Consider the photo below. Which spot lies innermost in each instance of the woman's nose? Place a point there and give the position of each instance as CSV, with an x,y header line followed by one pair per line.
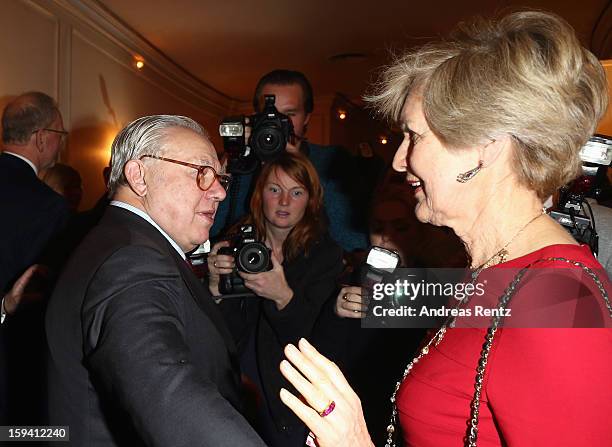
x,y
400,160
284,199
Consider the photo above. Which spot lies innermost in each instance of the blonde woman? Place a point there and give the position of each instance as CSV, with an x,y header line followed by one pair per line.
x,y
493,118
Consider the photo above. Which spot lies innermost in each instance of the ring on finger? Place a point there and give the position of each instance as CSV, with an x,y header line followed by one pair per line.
x,y
328,409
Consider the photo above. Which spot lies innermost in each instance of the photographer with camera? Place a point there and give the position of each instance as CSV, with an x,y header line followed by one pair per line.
x,y
579,205
293,99
286,300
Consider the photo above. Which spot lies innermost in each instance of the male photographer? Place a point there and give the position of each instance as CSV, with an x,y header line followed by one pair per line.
x,y
343,187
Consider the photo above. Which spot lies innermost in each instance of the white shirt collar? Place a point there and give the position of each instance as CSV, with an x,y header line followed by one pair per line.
x,y
24,159
146,217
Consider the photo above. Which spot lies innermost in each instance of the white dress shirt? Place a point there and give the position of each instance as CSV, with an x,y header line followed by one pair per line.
x,y
146,217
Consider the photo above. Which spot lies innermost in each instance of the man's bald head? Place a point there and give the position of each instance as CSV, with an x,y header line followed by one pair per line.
x,y
26,114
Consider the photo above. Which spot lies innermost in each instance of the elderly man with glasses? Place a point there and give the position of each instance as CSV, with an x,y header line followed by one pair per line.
x,y
32,136
139,355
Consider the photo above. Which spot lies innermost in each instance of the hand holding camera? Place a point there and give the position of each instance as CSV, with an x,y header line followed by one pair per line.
x,y
350,303
218,264
271,285
243,266
353,301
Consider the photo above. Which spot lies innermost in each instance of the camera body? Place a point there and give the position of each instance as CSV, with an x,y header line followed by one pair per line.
x,y
379,267
250,256
270,132
573,211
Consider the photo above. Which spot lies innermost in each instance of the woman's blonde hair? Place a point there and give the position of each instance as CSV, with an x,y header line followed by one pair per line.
x,y
525,76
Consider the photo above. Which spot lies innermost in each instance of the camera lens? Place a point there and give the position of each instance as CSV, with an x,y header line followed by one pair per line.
x,y
268,141
253,258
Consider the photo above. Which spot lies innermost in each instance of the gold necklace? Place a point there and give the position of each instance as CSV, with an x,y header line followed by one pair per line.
x,y
501,256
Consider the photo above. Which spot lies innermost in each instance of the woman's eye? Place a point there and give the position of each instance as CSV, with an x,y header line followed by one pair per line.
x,y
414,138
273,189
297,193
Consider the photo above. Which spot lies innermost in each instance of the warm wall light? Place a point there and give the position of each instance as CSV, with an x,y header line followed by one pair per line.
x,y
383,140
139,62
341,114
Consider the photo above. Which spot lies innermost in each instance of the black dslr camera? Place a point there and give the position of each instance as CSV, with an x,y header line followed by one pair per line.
x,y
250,255
573,211
270,132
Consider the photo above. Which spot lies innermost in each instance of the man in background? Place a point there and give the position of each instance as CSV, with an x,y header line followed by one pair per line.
x,y
32,213
32,135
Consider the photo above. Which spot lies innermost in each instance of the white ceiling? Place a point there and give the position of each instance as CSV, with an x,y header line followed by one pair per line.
x,y
229,44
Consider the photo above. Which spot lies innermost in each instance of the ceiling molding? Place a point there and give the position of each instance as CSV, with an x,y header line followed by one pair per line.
x,y
89,15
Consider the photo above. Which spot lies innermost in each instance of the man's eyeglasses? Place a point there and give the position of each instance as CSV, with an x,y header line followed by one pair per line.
x,y
206,174
63,133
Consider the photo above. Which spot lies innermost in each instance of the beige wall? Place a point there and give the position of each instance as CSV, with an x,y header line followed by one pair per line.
x,y
48,46
605,125
27,64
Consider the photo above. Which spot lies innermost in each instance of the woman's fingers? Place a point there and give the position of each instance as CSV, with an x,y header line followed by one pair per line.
x,y
356,290
323,387
309,416
220,264
306,366
327,367
313,396
322,373
350,303
215,248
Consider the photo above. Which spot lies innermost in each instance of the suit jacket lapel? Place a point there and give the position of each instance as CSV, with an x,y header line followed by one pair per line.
x,y
204,300
199,293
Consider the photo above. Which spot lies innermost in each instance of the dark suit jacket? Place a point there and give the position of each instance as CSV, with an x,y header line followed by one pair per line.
x,y
31,214
138,352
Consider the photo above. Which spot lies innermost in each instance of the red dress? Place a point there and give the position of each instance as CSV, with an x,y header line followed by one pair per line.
x,y
543,387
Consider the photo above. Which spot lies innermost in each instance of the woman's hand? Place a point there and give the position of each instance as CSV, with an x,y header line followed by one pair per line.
x,y
271,284
323,387
218,265
350,303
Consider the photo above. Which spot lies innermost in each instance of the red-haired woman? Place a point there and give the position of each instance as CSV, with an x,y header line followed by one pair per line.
x,y
286,213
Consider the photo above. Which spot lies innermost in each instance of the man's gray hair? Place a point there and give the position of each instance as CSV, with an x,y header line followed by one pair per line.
x,y
144,136
26,114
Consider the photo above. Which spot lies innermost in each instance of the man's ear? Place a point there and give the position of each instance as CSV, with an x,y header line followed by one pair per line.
x,y
135,175
306,121
39,140
495,150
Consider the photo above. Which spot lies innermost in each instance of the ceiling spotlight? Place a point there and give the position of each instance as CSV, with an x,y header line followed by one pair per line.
x,y
341,114
139,62
383,140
